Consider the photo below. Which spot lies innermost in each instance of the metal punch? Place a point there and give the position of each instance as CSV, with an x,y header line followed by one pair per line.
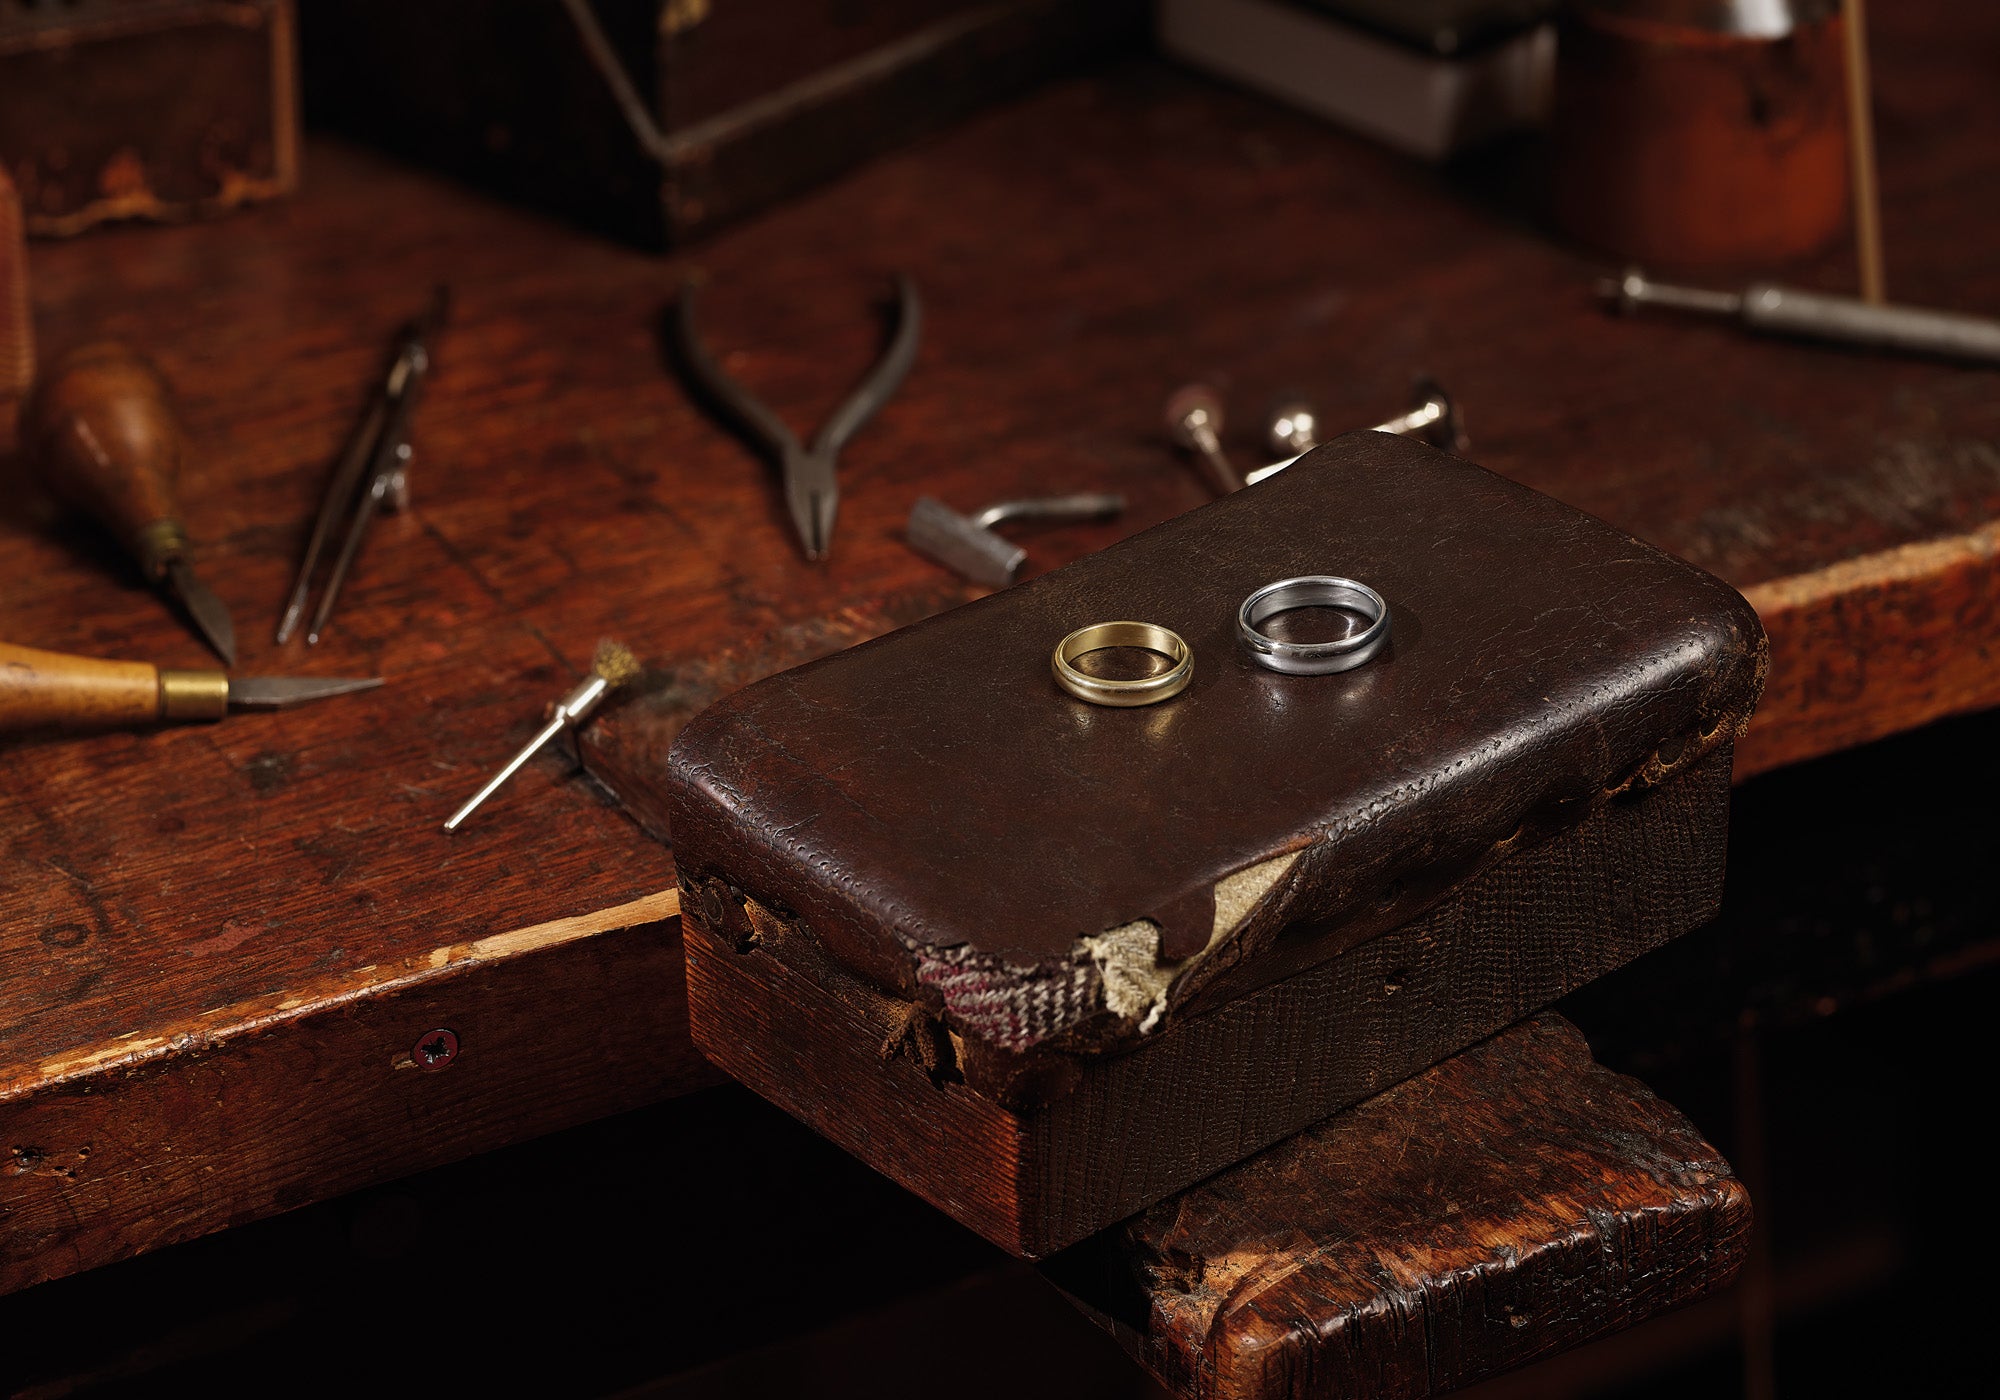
x,y
373,471
812,494
1770,309
1194,421
1293,427
967,544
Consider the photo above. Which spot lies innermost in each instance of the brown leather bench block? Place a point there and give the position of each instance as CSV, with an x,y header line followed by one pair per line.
x,y
1046,963
1507,1204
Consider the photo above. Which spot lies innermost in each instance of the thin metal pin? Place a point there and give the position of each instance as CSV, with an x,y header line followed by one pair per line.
x,y
494,784
612,667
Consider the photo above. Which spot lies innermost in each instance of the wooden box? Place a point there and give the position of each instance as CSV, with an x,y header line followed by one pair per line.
x,y
1046,963
657,120
146,109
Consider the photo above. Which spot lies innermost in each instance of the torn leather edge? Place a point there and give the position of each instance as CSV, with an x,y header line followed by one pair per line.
x,y
1016,1007
1117,973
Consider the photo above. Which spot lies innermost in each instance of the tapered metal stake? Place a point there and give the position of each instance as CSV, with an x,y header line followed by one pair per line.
x,y
205,608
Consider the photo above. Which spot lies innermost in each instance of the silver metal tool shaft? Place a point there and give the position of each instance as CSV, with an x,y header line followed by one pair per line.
x,y
1777,310
969,546
572,709
1415,421
1084,505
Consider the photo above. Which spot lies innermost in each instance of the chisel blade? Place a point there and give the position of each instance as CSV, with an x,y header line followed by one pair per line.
x,y
209,615
277,692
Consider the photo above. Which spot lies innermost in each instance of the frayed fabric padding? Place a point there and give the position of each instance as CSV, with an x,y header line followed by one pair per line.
x,y
1006,1005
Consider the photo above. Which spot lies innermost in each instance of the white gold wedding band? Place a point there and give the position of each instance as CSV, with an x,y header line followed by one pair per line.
x,y
1313,658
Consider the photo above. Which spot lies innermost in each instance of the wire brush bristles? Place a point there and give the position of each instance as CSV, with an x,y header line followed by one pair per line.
x,y
615,662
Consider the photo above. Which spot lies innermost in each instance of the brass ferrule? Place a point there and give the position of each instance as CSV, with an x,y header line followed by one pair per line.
x,y
188,695
158,546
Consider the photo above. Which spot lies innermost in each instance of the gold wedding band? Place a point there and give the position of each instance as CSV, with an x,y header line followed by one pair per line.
x,y
1148,691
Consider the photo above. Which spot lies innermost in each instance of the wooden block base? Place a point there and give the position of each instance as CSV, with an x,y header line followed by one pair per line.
x,y
1512,1202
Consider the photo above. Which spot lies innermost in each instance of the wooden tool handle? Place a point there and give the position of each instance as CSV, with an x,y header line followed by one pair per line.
x,y
44,689
101,433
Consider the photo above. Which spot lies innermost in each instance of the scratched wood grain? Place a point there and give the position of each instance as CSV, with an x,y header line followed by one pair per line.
x,y
1081,254
1505,1205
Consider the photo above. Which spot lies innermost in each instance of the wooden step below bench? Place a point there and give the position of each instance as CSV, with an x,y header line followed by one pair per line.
x,y
1505,1205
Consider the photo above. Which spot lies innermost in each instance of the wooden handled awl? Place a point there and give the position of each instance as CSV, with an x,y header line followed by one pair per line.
x,y
100,432
52,690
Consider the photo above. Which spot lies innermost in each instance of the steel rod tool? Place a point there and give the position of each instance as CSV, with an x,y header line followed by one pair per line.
x,y
968,545
100,432
1194,421
1771,309
612,667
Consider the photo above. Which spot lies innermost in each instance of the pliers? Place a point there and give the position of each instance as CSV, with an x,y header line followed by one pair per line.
x,y
811,493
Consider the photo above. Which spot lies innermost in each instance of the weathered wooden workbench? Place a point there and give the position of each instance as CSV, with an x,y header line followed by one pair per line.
x,y
219,947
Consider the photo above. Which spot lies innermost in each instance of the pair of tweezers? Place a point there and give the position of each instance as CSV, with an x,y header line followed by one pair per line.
x,y
812,495
373,471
